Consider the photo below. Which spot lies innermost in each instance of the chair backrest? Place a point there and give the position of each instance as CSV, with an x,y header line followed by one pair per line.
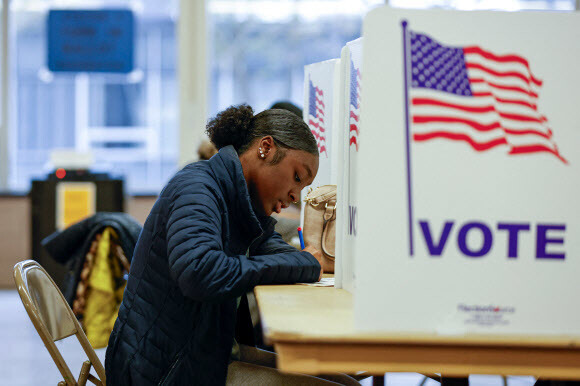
x,y
52,317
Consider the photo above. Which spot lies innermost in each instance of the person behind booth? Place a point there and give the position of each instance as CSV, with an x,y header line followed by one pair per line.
x,y
286,105
207,241
206,150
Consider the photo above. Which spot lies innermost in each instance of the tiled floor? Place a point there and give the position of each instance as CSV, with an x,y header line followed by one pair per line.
x,y
24,361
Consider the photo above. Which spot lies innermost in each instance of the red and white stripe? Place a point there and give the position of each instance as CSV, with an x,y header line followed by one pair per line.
x,y
354,115
316,123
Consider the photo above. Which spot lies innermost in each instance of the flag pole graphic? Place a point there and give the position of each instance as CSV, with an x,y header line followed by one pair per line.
x,y
409,191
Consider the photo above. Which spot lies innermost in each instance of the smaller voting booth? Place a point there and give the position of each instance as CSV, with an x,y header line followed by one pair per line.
x,y
332,97
460,187
321,96
350,113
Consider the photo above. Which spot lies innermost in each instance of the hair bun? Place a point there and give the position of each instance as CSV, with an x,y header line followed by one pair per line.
x,y
231,127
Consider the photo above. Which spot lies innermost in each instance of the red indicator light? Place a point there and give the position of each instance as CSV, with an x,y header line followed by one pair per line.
x,y
60,173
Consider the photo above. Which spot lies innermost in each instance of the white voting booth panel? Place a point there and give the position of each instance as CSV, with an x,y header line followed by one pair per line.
x,y
320,82
348,146
321,97
468,173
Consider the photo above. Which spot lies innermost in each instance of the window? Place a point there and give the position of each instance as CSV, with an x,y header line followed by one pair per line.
x,y
4,164
502,5
258,48
128,121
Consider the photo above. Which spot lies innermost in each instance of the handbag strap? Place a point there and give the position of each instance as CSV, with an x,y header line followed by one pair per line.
x,y
329,215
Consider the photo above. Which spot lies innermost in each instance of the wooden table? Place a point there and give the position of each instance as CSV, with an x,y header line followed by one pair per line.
x,y
312,330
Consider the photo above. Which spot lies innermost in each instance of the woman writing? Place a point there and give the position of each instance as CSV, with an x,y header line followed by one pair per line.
x,y
207,241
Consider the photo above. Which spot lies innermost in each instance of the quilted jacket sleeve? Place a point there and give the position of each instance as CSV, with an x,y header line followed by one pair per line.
x,y
202,269
274,244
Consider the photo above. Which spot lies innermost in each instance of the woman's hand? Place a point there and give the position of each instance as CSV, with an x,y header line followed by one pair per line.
x,y
317,255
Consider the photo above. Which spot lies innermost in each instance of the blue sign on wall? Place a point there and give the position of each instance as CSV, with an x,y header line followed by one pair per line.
x,y
90,40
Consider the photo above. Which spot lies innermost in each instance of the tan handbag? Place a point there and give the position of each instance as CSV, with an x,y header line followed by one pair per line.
x,y
320,223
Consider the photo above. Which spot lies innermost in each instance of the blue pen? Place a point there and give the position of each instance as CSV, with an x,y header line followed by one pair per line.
x,y
301,238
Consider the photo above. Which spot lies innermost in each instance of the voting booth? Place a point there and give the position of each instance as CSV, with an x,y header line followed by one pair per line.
x,y
321,96
332,97
464,181
350,98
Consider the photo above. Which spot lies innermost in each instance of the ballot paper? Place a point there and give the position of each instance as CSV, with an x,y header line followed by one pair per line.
x,y
325,282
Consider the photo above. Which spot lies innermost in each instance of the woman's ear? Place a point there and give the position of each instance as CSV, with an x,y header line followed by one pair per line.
x,y
266,147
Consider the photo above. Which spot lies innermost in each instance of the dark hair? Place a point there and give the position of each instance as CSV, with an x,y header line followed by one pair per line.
x,y
238,126
288,106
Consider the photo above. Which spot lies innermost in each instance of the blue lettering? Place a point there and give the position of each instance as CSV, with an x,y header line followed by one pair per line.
x,y
513,230
436,249
542,240
352,220
462,239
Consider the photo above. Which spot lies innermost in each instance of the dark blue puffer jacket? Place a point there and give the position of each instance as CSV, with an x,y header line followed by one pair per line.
x,y
177,320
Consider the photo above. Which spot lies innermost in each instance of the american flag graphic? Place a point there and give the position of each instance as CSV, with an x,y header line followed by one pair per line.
x,y
316,116
354,106
475,96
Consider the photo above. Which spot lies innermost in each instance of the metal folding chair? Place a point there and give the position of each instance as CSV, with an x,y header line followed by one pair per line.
x,y
54,320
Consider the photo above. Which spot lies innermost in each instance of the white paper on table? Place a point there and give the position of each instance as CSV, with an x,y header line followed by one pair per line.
x,y
325,282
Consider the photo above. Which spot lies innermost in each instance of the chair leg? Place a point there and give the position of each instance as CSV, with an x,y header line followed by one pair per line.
x,y
424,380
379,380
84,375
448,381
432,376
95,380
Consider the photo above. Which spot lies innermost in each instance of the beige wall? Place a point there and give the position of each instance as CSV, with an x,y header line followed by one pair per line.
x,y
139,207
15,232
14,235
